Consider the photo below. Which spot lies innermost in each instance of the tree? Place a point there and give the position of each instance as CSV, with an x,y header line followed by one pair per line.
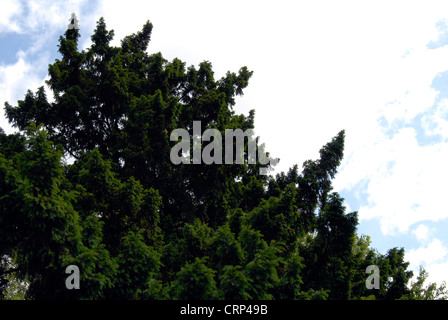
x,y
195,281
141,227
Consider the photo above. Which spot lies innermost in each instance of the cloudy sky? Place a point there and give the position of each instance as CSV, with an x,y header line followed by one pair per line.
x,y
378,69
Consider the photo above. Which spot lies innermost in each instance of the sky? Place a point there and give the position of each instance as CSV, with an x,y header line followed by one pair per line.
x,y
377,69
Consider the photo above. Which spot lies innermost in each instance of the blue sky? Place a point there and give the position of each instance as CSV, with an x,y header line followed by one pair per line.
x,y
378,69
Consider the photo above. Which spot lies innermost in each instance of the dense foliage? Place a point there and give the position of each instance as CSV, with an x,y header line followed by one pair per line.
x,y
140,227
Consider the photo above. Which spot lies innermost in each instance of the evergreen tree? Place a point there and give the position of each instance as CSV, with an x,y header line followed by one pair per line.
x,y
139,226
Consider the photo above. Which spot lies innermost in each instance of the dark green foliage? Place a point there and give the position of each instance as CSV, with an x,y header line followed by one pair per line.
x,y
140,227
137,265
234,283
225,248
195,281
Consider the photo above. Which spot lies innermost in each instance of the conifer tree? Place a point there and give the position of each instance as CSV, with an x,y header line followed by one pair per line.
x,y
139,226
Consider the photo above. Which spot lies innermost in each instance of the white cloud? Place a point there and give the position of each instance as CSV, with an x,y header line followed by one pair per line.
x,y
434,252
437,272
15,80
433,258
40,20
36,15
400,174
403,181
436,123
10,10
422,233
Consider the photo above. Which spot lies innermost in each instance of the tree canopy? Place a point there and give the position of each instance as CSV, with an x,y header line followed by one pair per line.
x,y
88,181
